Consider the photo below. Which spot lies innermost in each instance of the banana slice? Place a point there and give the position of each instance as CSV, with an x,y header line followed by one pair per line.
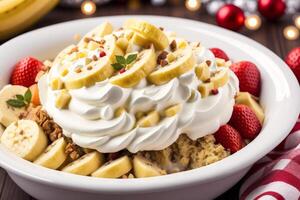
x,y
150,120
54,155
96,70
9,114
86,164
220,78
143,168
184,62
25,138
202,71
173,110
114,169
104,29
149,32
246,98
140,40
205,89
145,63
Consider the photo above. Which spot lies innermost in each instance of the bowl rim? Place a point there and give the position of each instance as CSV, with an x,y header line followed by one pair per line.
x,y
236,162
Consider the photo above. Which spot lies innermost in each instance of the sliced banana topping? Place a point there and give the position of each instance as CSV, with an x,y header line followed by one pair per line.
x,y
9,114
114,169
184,62
25,138
86,164
144,168
172,110
202,71
63,99
78,67
247,99
149,32
205,89
144,64
54,155
220,78
149,120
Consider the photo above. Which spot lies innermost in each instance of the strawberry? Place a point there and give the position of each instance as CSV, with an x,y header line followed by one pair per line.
x,y
249,77
293,61
219,53
244,120
25,71
229,138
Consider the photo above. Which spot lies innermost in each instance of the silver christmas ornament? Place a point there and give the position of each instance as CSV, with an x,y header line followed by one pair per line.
x,y
213,6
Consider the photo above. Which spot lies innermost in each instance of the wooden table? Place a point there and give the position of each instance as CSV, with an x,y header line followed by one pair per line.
x,y
270,35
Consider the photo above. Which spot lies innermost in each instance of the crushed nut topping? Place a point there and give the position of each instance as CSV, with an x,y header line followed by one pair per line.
x,y
163,55
208,62
173,45
73,150
163,63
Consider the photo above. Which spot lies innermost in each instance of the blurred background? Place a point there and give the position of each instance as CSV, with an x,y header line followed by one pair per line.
x,y
273,23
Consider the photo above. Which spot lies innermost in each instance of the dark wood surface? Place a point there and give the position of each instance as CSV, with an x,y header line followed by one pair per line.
x,y
270,35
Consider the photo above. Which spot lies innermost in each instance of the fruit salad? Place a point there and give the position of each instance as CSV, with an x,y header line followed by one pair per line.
x,y
131,102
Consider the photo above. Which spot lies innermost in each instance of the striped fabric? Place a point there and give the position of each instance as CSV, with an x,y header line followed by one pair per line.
x,y
277,175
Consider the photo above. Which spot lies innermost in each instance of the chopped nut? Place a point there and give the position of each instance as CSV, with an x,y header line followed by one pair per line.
x,y
89,67
163,55
87,39
161,28
163,63
173,45
75,49
208,62
73,150
95,58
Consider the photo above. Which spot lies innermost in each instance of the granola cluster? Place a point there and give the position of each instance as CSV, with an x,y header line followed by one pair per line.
x,y
186,154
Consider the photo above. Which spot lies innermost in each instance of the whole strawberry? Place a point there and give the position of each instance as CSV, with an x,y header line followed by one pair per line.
x,y
25,71
244,120
219,53
249,77
229,138
293,61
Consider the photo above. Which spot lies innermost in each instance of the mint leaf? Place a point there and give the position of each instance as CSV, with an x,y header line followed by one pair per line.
x,y
28,96
117,66
131,58
20,97
121,60
16,103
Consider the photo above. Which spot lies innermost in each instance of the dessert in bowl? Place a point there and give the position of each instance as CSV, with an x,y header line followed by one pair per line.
x,y
132,103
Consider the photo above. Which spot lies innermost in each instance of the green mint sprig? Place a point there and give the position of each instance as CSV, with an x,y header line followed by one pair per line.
x,y
123,62
20,100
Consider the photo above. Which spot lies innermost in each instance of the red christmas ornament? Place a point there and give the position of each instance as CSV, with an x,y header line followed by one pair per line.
x,y
271,9
231,17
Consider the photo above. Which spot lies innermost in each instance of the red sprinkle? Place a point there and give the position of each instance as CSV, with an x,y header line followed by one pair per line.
x,y
102,54
215,91
122,70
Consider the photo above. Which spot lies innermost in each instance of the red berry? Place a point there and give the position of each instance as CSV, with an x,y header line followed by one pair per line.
x,y
229,138
122,70
244,120
102,54
219,53
25,71
293,61
249,77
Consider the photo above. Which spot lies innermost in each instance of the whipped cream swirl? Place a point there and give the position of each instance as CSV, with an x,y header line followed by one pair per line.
x,y
90,120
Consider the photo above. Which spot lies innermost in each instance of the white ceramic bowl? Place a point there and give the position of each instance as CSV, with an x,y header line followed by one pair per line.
x,y
280,98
